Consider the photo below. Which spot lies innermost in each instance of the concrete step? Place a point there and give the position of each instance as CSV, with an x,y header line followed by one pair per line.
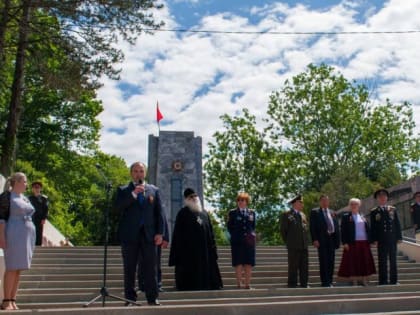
x,y
66,278
258,276
323,306
235,300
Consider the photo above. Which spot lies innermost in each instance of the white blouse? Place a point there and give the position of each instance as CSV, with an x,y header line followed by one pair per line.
x,y
360,227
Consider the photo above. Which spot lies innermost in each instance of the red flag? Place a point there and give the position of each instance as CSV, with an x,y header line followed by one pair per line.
x,y
159,115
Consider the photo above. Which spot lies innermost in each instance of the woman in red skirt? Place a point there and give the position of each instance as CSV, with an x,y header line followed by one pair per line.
x,y
357,262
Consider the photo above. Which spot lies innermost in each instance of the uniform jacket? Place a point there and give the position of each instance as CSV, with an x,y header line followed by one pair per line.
x,y
348,228
294,230
132,213
41,208
415,214
385,225
241,226
319,227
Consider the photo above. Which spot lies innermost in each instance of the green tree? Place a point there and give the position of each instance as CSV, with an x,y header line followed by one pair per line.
x,y
328,123
86,31
241,159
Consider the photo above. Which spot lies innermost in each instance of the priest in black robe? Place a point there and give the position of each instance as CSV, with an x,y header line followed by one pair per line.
x,y
193,250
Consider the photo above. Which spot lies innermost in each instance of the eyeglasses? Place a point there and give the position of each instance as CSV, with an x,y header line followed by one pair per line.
x,y
242,199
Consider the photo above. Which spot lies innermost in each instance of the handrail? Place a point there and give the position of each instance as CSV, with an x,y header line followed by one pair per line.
x,y
409,239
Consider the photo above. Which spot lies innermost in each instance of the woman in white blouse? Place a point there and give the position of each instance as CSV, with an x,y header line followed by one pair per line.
x,y
357,261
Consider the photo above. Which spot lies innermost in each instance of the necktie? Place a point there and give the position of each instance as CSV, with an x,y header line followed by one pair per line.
x,y
330,226
141,198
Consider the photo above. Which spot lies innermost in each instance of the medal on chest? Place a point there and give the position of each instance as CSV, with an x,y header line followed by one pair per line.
x,y
199,220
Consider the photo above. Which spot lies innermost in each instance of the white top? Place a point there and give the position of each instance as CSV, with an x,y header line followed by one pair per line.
x,y
360,228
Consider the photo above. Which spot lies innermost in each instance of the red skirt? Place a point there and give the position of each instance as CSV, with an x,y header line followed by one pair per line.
x,y
357,261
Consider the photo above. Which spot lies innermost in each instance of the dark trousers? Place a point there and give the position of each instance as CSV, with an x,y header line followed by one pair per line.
x,y
140,252
387,250
326,256
39,228
298,263
140,271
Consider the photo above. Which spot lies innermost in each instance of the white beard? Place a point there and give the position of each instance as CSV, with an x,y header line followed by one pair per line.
x,y
194,205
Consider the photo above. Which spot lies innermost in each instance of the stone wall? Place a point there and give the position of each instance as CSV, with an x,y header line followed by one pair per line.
x,y
175,163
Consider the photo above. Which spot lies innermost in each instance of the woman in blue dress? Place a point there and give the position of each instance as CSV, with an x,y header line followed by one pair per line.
x,y
241,226
17,237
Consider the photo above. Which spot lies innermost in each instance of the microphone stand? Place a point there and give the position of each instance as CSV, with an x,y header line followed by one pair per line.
x,y
103,293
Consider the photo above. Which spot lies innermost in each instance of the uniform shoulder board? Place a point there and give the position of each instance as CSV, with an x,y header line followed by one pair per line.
x,y
412,204
391,208
373,209
44,196
251,210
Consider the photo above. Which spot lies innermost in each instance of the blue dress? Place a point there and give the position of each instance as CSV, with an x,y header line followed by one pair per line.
x,y
20,234
241,227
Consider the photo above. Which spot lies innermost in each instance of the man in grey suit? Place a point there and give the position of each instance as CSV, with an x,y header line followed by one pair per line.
x,y
294,231
140,232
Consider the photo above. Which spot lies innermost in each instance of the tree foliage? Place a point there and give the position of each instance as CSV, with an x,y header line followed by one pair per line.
x,y
330,123
71,45
52,55
242,160
323,133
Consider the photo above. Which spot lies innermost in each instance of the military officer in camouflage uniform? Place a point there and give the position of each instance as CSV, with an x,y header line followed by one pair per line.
x,y
415,211
294,231
385,233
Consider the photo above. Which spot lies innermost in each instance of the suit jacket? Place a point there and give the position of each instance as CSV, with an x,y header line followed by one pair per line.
x,y
415,214
385,225
133,213
241,226
348,228
319,228
294,230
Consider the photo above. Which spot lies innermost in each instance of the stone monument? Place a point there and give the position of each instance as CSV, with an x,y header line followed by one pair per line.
x,y
175,163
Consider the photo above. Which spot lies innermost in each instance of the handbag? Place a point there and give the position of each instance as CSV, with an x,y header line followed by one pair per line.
x,y
5,205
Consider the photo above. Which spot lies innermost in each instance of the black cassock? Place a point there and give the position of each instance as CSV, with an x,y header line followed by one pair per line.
x,y
194,253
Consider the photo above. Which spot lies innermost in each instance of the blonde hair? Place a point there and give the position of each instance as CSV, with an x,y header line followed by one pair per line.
x,y
12,180
243,195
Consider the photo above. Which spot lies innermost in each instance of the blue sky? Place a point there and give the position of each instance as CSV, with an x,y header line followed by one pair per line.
x,y
198,77
189,13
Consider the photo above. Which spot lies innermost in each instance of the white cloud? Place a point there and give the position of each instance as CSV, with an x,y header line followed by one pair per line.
x,y
172,68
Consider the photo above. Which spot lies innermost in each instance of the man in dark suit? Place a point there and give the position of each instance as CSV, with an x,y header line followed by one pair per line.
x,y
294,231
415,211
326,238
385,231
40,203
140,232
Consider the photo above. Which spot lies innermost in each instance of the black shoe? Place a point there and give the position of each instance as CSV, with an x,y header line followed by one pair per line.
x,y
154,303
292,286
305,286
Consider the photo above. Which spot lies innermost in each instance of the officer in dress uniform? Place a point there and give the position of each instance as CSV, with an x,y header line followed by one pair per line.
x,y
294,231
241,227
415,211
40,203
385,233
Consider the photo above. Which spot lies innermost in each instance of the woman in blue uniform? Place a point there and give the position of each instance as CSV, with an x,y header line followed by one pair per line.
x,y
241,226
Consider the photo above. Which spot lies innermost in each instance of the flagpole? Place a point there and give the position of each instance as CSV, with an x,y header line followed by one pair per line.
x,y
159,116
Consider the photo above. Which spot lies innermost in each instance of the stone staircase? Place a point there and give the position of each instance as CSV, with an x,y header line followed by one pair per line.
x,y
62,279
